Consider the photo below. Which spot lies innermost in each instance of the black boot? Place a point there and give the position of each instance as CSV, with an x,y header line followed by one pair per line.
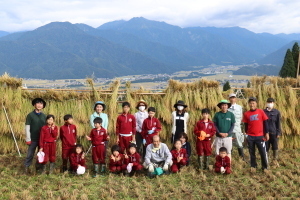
x,y
52,166
26,171
200,162
241,153
43,169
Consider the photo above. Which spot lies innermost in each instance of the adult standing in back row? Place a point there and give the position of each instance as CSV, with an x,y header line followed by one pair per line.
x,y
179,120
140,116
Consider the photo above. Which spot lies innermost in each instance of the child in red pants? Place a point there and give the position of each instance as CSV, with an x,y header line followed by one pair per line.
x,y
203,145
98,136
222,164
132,161
179,156
47,143
116,161
125,128
77,158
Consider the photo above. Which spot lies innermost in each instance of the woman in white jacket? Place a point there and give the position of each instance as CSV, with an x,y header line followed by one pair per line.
x,y
179,120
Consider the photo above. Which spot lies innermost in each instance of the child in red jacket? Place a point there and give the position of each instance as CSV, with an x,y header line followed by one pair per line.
x,y
151,126
47,143
68,138
98,136
179,156
116,161
222,164
77,158
132,161
125,128
204,130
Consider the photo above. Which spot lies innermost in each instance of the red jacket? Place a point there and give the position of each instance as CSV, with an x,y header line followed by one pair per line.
x,y
200,126
126,124
98,137
150,124
47,135
118,163
76,159
181,153
68,135
132,158
222,162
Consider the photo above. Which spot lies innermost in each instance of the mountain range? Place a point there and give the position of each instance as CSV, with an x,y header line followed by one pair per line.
x,y
62,50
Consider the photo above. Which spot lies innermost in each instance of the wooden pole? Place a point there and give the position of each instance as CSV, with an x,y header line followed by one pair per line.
x,y
297,75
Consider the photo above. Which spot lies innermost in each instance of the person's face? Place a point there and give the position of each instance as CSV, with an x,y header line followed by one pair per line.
x,y
132,150
99,108
223,154
182,139
252,105
97,125
205,115
50,121
232,100
39,106
151,114
116,153
224,107
78,150
142,107
70,121
156,142
178,145
126,109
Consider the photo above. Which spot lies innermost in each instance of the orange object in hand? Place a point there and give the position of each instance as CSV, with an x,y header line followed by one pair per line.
x,y
202,135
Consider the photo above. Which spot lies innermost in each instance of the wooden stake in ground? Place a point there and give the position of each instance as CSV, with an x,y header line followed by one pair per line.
x,y
12,132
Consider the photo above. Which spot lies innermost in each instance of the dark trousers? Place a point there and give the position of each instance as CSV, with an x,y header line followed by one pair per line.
x,y
139,142
30,153
272,141
261,145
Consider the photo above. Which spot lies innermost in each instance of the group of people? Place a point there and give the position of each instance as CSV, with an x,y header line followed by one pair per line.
x,y
139,145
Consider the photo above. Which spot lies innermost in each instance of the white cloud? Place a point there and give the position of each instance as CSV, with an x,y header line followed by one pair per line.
x,y
274,16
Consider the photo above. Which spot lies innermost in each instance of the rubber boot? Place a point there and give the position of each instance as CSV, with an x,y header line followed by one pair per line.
x,y
43,169
65,165
26,170
241,153
103,168
206,162
52,166
96,170
200,162
275,158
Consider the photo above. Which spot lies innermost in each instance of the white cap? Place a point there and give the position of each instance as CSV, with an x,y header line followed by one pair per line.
x,y
232,95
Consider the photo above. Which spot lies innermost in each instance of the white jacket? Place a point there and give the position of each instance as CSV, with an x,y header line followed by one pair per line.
x,y
139,118
237,110
186,119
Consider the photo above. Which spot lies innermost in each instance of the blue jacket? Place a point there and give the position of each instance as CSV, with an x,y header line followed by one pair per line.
x,y
104,118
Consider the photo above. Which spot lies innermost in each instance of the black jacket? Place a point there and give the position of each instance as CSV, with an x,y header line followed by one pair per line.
x,y
274,123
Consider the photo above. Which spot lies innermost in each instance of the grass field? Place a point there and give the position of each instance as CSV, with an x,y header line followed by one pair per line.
x,y
280,182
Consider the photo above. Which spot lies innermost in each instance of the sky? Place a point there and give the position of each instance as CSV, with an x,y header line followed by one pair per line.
x,y
272,16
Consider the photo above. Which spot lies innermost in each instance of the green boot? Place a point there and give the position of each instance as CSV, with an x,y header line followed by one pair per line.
x,y
206,162
275,154
96,170
52,166
103,168
200,162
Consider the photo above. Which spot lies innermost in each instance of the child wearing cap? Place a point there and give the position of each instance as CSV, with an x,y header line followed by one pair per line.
x,y
132,161
256,127
35,120
222,164
68,137
224,122
140,116
180,118
274,125
204,130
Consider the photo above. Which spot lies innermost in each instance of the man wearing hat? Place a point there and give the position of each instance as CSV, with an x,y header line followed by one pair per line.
x,y
237,110
256,127
140,116
274,127
224,122
35,120
179,120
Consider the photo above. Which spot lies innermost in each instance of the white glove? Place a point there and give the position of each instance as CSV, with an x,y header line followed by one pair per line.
x,y
133,142
166,167
222,170
150,132
144,141
151,168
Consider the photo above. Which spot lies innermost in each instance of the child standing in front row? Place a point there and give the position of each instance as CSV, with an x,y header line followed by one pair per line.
x,y
179,156
222,164
186,145
98,136
77,158
68,138
47,143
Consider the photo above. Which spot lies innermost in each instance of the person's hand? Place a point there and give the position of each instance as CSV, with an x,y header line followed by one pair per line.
x,y
41,150
118,158
267,137
150,132
131,164
126,156
88,138
207,135
179,159
222,170
113,158
28,143
278,136
118,140
53,126
144,142
79,165
108,137
83,154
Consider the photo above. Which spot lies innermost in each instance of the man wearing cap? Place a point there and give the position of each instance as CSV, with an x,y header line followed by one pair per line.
x,y
256,127
224,122
274,127
237,110
35,120
140,116
179,120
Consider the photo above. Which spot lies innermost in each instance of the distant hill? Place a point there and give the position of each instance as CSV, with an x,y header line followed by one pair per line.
x,y
3,33
269,70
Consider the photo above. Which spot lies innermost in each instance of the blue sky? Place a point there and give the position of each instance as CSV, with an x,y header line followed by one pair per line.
x,y
273,16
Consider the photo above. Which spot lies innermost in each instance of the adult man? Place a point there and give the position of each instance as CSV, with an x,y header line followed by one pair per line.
x,y
274,127
237,110
224,122
157,155
256,127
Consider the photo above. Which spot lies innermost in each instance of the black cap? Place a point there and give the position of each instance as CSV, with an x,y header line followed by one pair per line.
x,y
252,99
270,100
